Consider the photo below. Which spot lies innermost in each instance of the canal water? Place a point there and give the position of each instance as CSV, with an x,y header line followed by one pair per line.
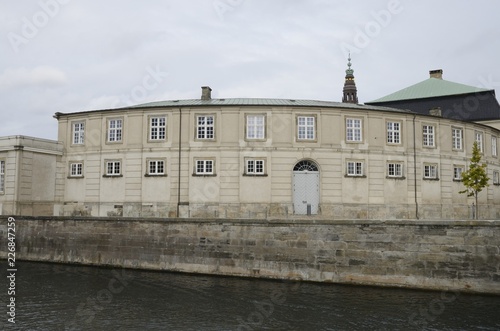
x,y
65,297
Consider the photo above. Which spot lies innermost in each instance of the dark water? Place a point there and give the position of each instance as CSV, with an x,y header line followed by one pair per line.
x,y
63,297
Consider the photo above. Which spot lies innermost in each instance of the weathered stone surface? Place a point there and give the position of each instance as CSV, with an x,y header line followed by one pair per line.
x,y
454,255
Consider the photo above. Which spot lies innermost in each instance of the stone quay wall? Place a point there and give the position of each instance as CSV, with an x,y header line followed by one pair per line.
x,y
436,255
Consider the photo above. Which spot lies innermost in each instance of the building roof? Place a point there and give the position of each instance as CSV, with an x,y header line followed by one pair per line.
x,y
246,102
430,88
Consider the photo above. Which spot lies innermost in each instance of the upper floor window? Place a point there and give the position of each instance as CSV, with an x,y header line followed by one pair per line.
x,y
354,168
256,126
393,132
306,126
157,128
496,178
456,138
428,135
156,167
430,171
2,176
115,130
76,169
205,127
494,151
78,133
394,170
204,167
254,167
353,130
457,173
113,168
478,136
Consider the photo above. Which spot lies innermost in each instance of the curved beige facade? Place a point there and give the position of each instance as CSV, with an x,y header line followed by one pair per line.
x,y
235,158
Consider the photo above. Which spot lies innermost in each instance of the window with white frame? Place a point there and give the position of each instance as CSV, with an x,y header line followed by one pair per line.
x,y
306,127
394,169
353,130
428,135
256,126
113,168
205,128
393,132
456,138
156,167
78,133
2,176
76,169
204,167
430,171
115,130
354,168
478,137
254,167
157,128
494,151
457,173
496,178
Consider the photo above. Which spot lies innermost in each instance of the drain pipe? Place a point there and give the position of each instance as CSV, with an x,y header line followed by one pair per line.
x,y
179,169
415,166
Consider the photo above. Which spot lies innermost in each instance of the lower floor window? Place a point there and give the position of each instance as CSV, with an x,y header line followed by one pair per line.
x,y
496,178
430,171
156,167
457,173
354,168
394,170
2,176
204,167
76,169
254,167
113,168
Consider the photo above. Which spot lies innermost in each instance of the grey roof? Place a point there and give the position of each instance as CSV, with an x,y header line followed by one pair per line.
x,y
248,102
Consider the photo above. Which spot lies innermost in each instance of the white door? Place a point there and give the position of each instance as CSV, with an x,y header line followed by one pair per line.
x,y
305,188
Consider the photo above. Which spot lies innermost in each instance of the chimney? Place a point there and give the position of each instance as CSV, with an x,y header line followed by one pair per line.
x,y
206,93
436,73
436,112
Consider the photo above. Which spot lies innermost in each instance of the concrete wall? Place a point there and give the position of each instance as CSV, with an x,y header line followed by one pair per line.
x,y
452,255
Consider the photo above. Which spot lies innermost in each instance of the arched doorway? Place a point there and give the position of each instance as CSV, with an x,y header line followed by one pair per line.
x,y
305,188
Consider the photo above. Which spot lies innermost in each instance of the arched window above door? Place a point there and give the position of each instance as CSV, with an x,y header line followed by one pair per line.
x,y
305,165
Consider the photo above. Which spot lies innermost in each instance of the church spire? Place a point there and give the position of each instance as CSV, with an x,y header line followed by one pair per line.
x,y
350,91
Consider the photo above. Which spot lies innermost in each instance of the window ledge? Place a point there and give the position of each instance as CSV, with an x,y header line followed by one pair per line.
x,y
396,178
155,175
255,175
112,176
457,180
76,177
355,176
431,179
204,175
496,184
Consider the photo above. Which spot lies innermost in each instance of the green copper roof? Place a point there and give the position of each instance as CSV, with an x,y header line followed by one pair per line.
x,y
429,88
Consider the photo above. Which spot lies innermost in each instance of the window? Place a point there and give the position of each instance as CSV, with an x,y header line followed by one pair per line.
x,y
353,130
256,127
457,173
354,168
115,130
494,151
204,167
306,128
393,132
2,176
78,133
456,138
205,127
430,171
157,128
428,135
496,178
478,136
395,170
113,168
254,167
76,169
156,167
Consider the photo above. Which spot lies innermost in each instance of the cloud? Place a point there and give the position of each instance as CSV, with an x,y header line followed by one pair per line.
x,y
41,76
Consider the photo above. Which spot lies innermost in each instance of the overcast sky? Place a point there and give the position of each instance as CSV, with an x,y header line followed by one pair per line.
x,y
70,55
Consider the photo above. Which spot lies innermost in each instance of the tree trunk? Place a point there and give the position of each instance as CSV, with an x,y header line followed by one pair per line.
x,y
475,207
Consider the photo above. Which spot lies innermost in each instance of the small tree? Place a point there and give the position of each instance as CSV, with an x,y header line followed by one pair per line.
x,y
475,178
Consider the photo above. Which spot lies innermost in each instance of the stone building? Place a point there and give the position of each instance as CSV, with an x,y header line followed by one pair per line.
x,y
29,181
265,158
